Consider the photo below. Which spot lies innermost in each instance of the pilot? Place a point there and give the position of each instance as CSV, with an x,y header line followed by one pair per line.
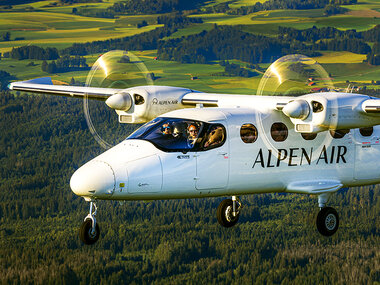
x,y
166,130
215,137
193,134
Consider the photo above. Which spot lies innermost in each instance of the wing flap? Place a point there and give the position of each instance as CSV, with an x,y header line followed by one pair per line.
x,y
45,85
314,187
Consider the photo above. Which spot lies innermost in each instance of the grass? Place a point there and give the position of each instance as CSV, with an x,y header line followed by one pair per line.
x,y
354,72
61,30
57,26
340,57
173,74
194,29
344,22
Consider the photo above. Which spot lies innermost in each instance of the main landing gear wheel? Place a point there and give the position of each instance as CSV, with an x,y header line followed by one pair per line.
x,y
228,212
89,231
87,235
327,221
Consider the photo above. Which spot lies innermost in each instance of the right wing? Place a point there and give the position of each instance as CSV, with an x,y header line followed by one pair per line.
x,y
45,85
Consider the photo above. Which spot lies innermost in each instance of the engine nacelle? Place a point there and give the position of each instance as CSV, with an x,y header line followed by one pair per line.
x,y
332,111
141,104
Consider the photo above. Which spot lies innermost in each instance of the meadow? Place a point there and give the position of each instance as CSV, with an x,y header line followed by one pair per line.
x,y
47,25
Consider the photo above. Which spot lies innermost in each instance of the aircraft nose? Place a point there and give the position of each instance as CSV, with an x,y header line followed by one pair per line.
x,y
94,179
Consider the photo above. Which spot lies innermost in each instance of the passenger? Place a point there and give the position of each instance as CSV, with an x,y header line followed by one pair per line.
x,y
192,134
179,129
215,137
166,130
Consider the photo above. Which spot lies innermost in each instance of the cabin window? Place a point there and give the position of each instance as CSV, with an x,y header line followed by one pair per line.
x,y
309,136
248,133
338,134
366,132
279,132
176,134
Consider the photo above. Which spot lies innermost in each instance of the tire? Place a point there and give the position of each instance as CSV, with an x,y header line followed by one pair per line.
x,y
327,221
85,232
224,214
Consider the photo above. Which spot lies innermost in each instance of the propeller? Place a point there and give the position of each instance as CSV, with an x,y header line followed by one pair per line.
x,y
304,78
119,70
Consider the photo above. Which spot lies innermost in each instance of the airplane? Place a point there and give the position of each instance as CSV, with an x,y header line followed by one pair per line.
x,y
195,145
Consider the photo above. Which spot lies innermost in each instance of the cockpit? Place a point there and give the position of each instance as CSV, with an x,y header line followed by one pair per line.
x,y
177,134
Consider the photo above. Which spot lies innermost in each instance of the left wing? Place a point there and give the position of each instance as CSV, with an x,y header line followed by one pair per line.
x,y
45,85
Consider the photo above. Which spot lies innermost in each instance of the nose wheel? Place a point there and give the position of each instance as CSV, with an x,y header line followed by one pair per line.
x,y
89,231
228,212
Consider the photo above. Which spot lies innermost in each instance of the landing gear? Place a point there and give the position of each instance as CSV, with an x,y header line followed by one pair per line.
x,y
89,231
327,219
228,212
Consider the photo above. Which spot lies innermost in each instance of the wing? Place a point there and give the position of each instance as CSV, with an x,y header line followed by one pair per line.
x,y
45,85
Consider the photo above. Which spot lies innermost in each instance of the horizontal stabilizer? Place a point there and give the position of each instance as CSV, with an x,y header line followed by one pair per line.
x,y
314,187
45,85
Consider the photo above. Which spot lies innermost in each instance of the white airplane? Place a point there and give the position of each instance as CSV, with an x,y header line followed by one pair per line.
x,y
197,145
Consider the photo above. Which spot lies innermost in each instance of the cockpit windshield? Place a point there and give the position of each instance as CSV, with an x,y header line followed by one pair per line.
x,y
174,134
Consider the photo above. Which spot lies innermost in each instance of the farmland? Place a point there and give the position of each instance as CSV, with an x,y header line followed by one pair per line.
x,y
44,139
55,26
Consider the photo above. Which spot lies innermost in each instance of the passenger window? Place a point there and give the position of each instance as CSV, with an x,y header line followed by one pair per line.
x,y
309,136
215,136
279,132
366,132
338,134
248,133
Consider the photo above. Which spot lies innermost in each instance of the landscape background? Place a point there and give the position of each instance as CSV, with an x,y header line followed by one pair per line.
x,y
224,46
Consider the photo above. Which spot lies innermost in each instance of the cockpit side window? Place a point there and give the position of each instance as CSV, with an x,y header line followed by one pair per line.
x,y
175,134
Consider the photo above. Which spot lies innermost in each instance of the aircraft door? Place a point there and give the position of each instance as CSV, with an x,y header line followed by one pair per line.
x,y
367,149
212,161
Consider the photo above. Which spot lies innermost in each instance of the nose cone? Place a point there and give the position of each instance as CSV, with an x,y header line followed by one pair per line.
x,y
298,109
94,179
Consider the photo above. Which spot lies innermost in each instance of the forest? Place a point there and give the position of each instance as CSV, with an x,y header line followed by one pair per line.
x,y
44,139
216,43
64,64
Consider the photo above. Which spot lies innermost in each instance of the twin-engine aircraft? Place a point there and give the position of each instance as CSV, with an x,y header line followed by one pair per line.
x,y
197,145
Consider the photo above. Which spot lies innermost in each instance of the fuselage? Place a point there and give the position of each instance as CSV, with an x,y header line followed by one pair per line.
x,y
259,153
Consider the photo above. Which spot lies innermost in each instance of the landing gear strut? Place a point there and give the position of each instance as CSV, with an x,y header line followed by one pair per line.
x,y
89,231
327,219
228,212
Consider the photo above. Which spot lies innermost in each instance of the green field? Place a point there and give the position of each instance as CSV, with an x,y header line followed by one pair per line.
x,y
56,26
61,30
